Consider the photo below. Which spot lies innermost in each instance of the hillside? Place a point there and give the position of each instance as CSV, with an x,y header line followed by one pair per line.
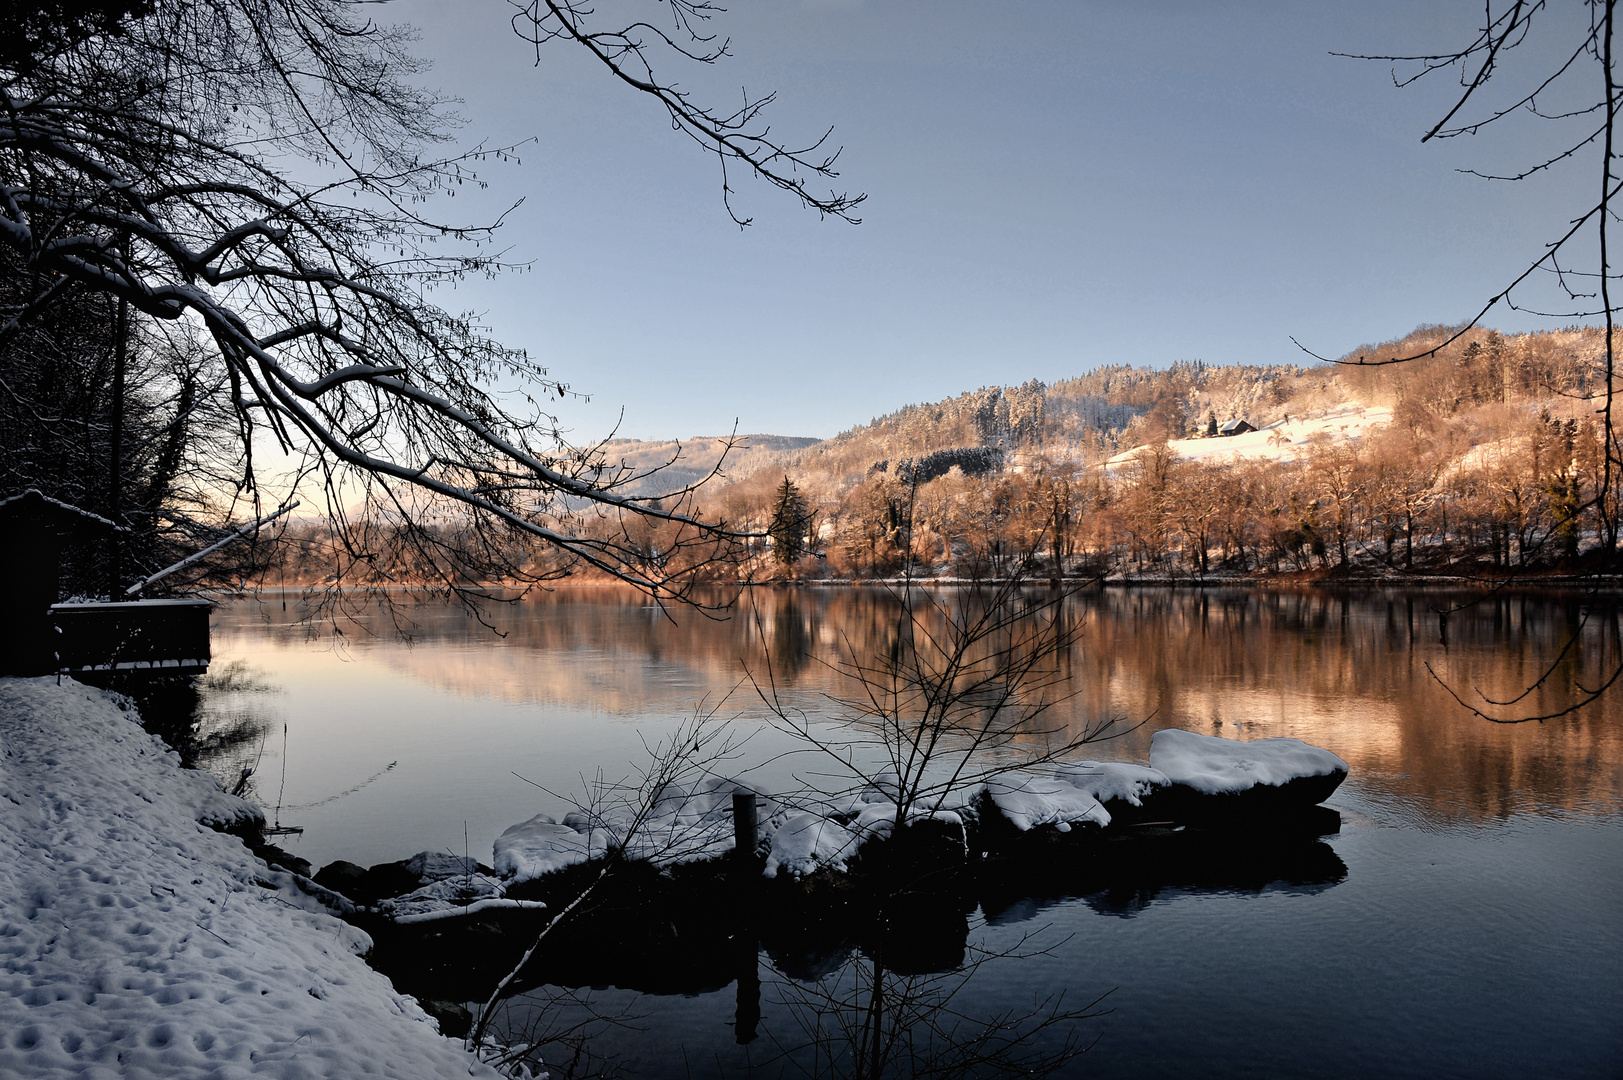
x,y
1485,452
1485,456
653,467
1097,416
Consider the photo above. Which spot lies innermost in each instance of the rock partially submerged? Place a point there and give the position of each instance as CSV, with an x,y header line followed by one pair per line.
x,y
1015,821
683,913
427,887
1209,777
1072,793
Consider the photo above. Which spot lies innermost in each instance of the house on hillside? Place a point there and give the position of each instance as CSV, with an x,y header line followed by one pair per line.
x,y
1235,427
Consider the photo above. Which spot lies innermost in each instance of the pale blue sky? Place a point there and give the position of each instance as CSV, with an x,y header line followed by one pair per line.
x,y
1052,186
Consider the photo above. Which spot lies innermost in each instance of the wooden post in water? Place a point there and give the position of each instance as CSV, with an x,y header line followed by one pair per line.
x,y
744,826
746,942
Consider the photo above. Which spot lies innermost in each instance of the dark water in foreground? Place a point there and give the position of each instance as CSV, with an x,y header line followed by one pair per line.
x,y
1476,928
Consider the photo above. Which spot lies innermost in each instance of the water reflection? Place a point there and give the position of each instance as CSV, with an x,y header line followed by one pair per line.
x,y
1343,670
1349,672
1384,951
219,722
869,1019
896,999
900,977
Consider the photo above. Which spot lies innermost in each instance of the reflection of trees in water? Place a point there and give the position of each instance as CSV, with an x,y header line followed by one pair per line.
x,y
216,722
1342,669
854,1017
563,1032
887,972
870,1018
1347,670
230,721
789,636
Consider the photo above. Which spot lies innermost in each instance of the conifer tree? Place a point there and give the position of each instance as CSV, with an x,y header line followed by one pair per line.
x,y
790,521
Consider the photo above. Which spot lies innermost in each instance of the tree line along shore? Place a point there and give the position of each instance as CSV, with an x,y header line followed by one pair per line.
x,y
1485,459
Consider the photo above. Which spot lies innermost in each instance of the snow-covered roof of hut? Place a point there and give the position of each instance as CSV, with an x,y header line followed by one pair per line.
x,y
36,506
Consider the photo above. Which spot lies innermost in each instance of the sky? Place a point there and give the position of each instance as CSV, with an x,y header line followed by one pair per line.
x,y
1052,186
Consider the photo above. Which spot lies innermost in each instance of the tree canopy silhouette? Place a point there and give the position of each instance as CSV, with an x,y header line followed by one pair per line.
x,y
267,171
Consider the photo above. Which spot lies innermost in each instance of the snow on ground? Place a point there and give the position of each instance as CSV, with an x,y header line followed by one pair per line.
x,y
136,942
1285,440
1218,766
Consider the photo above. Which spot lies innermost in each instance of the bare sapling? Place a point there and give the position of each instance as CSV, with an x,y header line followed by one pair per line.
x,y
630,820
963,693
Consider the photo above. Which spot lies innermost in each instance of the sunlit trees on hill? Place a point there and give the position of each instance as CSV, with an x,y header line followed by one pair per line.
x,y
1476,474
791,522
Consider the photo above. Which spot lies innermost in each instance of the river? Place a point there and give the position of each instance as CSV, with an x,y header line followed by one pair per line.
x,y
1473,925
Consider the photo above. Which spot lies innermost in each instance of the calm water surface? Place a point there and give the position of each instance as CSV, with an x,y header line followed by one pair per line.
x,y
1476,930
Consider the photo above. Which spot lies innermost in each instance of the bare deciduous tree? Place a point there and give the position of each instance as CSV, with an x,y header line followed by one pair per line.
x,y
1580,96
265,170
960,695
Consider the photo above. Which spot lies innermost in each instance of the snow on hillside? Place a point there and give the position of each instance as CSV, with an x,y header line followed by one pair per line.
x,y
136,942
670,464
1283,440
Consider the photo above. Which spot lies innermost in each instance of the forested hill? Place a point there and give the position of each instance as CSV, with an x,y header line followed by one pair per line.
x,y
1094,416
1485,453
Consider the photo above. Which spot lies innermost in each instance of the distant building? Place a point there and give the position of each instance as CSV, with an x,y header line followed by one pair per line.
x,y
1235,427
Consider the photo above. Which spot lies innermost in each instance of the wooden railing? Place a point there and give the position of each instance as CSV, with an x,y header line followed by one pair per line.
x,y
169,637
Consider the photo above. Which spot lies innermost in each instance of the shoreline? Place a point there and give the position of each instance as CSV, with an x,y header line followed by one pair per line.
x,y
1290,581
138,937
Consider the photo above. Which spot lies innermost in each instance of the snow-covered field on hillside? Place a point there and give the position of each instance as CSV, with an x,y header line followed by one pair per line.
x,y
137,942
1282,441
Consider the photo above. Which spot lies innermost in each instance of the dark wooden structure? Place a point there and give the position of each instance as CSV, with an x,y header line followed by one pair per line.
x,y
34,530
1235,427
158,637
39,636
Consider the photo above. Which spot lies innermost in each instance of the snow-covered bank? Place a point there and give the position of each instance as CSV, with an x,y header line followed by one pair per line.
x,y
137,942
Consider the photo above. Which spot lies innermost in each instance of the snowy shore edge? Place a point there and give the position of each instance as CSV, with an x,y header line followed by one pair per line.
x,y
137,940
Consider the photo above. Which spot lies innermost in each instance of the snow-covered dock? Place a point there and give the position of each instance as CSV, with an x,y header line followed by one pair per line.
x,y
137,940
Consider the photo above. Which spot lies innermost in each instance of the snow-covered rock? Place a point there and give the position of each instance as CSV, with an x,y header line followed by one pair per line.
x,y
1112,781
808,842
535,847
438,865
1028,800
691,824
817,833
1072,792
1220,766
137,942
685,824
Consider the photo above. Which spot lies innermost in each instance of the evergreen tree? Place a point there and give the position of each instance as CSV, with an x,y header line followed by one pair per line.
x,y
790,522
